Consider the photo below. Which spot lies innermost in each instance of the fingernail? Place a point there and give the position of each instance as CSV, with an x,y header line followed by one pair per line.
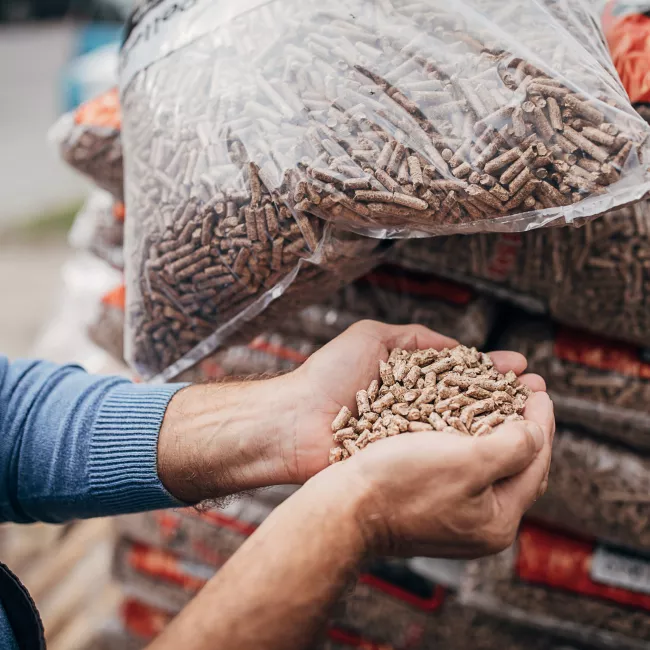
x,y
537,433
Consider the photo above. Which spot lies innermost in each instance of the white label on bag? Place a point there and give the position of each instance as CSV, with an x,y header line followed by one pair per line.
x,y
618,569
171,25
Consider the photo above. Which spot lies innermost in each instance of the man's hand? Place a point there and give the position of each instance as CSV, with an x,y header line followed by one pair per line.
x,y
225,438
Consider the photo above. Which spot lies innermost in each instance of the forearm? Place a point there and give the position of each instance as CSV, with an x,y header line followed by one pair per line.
x,y
220,439
74,446
277,590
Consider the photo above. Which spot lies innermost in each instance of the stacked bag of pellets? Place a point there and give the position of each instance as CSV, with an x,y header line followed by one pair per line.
x,y
165,558
595,277
388,294
583,590
258,166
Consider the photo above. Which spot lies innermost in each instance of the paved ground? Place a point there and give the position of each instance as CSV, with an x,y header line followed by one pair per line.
x,y
32,178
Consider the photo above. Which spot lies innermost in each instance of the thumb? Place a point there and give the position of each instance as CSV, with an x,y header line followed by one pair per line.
x,y
508,451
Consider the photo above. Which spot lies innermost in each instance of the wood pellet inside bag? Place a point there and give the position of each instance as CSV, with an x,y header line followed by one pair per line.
x,y
596,277
597,384
394,295
248,125
598,489
574,588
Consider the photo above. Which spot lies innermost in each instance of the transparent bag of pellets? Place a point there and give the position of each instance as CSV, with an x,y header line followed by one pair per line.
x,y
252,129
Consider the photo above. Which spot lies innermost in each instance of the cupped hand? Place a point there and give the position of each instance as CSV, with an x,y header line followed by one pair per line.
x,y
441,495
331,378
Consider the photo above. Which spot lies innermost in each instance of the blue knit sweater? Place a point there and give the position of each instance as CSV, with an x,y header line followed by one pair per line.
x,y
76,446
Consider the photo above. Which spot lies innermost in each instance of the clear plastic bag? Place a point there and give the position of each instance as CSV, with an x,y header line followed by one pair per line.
x,y
89,140
267,354
250,125
596,384
99,228
395,295
598,490
595,277
559,584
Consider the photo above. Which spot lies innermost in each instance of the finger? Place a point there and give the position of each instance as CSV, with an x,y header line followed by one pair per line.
x,y
534,382
413,337
506,361
520,492
539,408
508,451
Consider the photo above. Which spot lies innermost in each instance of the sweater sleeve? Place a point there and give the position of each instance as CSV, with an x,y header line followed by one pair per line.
x,y
77,446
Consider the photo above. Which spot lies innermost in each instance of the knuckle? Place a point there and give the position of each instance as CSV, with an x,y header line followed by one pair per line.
x,y
364,325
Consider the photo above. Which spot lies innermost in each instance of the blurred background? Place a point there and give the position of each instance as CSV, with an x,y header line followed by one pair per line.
x,y
54,54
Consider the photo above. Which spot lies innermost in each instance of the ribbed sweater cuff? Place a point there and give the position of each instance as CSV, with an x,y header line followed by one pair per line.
x,y
123,471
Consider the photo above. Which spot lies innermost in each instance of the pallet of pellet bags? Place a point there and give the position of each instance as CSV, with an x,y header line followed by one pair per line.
x,y
596,277
569,586
596,383
390,608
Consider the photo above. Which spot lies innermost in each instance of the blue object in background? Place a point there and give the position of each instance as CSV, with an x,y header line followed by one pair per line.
x,y
93,68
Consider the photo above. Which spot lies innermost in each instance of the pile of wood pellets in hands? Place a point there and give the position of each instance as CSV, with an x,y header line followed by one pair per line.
x,y
457,391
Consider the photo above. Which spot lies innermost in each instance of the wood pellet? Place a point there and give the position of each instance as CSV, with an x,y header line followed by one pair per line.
x,y
382,117
456,391
596,277
597,384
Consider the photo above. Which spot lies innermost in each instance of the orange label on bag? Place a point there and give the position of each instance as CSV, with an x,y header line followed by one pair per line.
x,y
277,351
354,641
425,604
116,298
418,285
119,211
142,620
504,260
628,36
565,563
592,351
168,567
103,110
